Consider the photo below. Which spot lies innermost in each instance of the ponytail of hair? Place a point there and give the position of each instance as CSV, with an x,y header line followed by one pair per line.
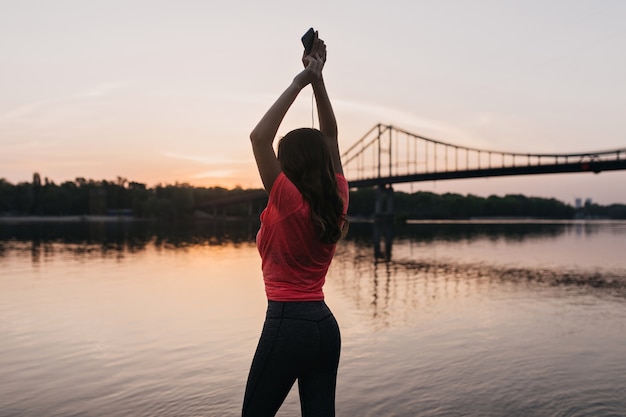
x,y
305,160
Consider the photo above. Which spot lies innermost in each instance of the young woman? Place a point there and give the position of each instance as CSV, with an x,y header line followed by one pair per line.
x,y
304,218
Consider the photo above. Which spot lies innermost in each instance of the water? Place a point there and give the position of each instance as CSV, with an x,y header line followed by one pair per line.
x,y
464,319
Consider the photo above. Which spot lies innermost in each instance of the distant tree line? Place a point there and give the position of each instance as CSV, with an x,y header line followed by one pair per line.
x,y
427,205
89,197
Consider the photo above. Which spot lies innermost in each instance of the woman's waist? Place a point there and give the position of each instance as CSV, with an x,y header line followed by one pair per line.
x,y
298,310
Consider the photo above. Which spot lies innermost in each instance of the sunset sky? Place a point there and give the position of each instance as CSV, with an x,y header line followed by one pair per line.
x,y
168,91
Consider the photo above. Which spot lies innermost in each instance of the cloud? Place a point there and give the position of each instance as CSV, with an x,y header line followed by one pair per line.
x,y
207,160
54,104
100,90
399,118
221,167
24,110
484,118
376,114
264,99
218,173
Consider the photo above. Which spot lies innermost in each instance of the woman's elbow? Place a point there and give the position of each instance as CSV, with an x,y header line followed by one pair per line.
x,y
255,137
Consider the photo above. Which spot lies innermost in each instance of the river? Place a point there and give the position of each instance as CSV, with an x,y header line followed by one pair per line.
x,y
482,318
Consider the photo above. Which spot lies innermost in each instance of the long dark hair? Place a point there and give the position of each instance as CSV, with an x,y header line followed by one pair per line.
x,y
305,159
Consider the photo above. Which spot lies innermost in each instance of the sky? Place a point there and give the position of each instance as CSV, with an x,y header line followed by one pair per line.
x,y
168,91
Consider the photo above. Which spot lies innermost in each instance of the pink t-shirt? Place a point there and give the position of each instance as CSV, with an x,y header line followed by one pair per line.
x,y
293,260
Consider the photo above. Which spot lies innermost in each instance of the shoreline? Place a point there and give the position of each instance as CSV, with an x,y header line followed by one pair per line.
x,y
91,218
66,219
128,218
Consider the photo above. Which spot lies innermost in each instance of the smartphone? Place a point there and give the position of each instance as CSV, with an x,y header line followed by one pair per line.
x,y
307,40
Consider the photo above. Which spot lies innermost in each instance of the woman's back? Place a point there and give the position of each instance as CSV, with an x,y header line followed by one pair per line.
x,y
294,261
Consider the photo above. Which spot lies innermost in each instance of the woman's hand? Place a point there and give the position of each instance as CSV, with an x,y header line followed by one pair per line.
x,y
311,73
313,64
318,49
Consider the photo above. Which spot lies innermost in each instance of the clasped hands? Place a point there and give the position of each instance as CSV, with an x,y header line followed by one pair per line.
x,y
313,64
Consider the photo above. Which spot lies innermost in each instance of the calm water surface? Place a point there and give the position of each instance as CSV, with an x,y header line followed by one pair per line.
x,y
452,319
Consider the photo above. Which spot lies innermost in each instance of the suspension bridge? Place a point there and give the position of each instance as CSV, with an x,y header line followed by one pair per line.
x,y
387,155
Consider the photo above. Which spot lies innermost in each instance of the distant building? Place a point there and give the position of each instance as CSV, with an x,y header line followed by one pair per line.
x,y
579,203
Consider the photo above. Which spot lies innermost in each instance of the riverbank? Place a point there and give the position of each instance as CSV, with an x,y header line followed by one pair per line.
x,y
351,219
197,216
66,219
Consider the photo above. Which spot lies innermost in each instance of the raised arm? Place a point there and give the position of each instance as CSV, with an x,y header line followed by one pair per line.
x,y
328,122
263,135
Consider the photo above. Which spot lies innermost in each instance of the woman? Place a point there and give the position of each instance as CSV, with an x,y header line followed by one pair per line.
x,y
304,218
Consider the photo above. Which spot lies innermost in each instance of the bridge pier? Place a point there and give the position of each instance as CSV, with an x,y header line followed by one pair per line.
x,y
383,222
384,202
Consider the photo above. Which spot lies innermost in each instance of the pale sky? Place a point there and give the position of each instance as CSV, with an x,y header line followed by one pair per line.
x,y
168,91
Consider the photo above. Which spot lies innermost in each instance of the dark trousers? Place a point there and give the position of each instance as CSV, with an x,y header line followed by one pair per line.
x,y
300,340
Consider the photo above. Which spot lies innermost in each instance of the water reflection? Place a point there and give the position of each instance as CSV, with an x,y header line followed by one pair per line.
x,y
395,291
471,252
384,231
448,262
105,239
135,235
151,319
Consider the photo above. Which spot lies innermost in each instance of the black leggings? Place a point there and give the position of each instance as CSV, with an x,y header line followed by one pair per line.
x,y
300,340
